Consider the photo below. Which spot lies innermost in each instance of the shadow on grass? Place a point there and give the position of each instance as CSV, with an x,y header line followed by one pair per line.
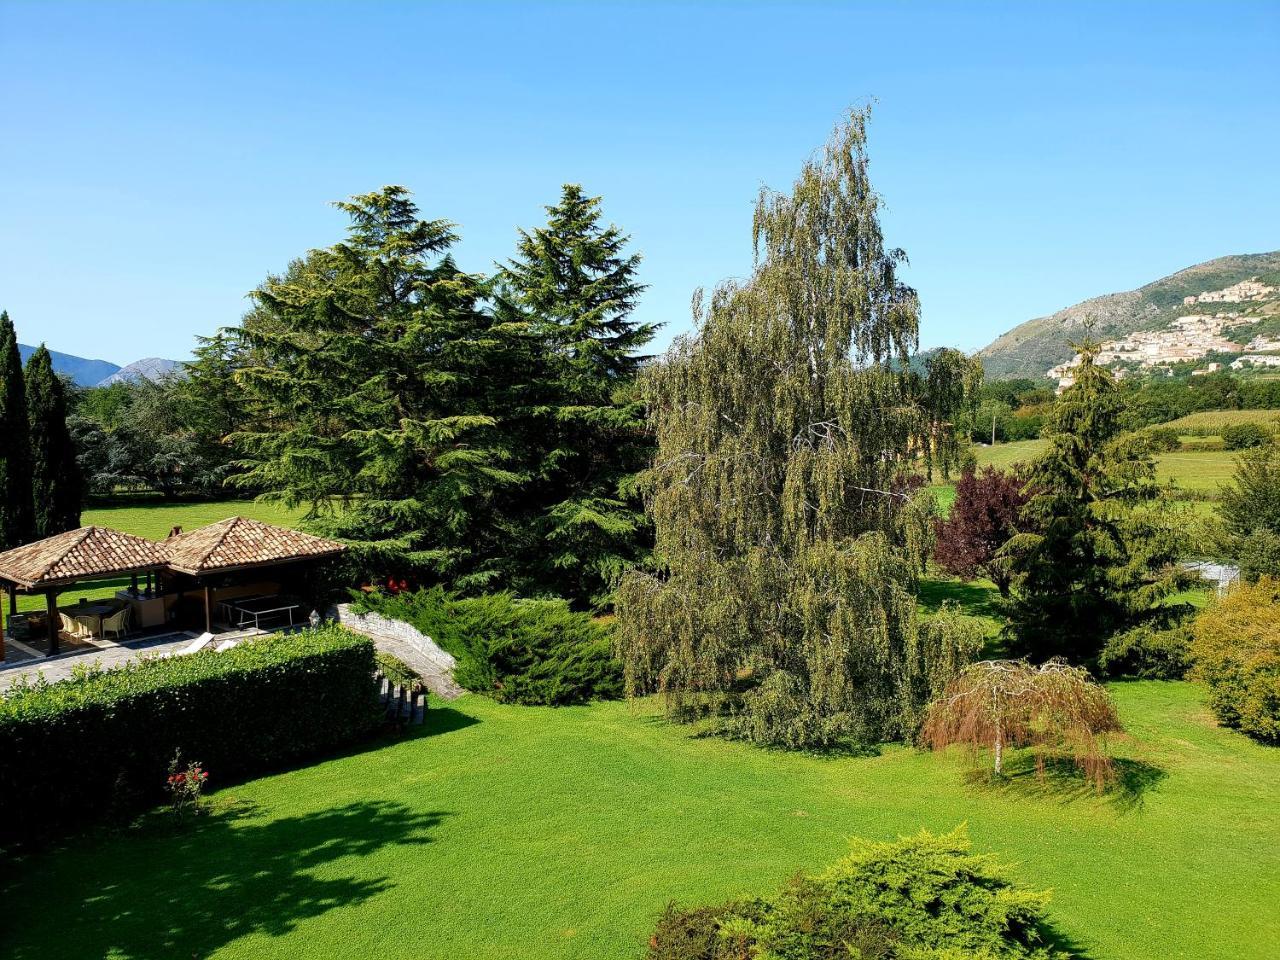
x,y
443,720
186,891
1061,780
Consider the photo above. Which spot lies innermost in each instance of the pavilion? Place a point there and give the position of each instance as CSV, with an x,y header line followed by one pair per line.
x,y
232,563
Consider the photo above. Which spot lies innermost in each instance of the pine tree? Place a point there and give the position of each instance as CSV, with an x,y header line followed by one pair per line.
x,y
374,382
573,287
17,517
57,488
1100,548
788,550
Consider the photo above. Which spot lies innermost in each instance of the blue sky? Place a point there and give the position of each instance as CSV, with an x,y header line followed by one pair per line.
x,y
158,160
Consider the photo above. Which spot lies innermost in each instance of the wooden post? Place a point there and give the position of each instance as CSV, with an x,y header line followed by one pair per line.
x,y
208,609
13,610
133,583
51,605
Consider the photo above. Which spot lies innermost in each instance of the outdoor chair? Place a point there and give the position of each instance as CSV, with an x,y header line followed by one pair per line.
x,y
70,626
117,623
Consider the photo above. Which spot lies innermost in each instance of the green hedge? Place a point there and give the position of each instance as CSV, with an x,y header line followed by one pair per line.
x,y
514,650
99,744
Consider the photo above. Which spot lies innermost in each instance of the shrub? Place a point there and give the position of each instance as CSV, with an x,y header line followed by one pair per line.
x,y
1244,436
114,732
1259,554
516,651
1164,439
917,898
1148,652
1236,652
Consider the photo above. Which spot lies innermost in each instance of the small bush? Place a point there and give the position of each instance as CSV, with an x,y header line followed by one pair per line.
x,y
1236,652
516,651
1245,436
1148,652
1164,440
917,898
114,732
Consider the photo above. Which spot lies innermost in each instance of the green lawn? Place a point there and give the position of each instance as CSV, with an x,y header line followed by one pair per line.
x,y
1202,472
155,520
521,832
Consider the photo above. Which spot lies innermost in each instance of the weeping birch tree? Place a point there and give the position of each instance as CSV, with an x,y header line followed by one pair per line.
x,y
788,542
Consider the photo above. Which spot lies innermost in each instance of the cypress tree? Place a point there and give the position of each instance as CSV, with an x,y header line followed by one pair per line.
x,y
788,550
56,483
572,287
17,518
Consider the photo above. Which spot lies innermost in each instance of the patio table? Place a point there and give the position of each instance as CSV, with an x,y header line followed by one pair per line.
x,y
263,607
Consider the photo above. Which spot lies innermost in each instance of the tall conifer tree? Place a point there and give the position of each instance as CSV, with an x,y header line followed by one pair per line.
x,y
788,550
1100,548
573,287
17,516
57,488
373,381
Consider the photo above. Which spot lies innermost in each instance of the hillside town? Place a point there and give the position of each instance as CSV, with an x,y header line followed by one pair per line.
x,y
1187,339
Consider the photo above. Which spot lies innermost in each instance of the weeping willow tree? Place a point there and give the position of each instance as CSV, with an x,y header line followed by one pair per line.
x,y
789,541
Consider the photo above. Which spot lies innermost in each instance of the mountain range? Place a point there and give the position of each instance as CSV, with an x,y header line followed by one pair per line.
x,y
101,373
1031,349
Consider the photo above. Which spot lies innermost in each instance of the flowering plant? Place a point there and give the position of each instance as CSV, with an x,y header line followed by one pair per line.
x,y
185,785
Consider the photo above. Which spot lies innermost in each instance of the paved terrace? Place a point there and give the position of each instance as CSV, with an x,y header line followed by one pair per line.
x,y
27,660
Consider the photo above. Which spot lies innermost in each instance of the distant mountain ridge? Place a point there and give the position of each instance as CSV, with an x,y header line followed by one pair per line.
x,y
84,373
102,373
150,368
1032,348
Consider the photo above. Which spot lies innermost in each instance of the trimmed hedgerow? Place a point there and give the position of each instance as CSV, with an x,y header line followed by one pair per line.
x,y
100,743
917,898
514,650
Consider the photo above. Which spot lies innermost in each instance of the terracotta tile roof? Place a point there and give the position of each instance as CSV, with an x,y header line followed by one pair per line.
x,y
79,555
239,542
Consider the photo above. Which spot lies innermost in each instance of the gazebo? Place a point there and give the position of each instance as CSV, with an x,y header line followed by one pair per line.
x,y
238,555
55,565
239,564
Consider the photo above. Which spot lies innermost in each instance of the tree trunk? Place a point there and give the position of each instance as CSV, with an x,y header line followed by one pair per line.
x,y
999,751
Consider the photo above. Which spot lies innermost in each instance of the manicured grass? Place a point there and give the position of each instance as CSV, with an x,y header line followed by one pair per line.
x,y
154,519
518,832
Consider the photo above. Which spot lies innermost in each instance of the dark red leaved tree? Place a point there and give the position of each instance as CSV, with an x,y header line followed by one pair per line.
x,y
983,518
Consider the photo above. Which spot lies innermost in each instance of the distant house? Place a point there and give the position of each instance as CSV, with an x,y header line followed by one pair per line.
x,y
1256,360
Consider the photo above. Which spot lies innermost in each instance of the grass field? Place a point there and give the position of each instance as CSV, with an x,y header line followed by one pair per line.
x,y
1202,472
1212,422
526,833
154,520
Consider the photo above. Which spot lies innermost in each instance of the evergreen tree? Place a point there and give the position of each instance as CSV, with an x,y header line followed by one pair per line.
x,y
788,550
1100,545
572,287
17,517
373,381
57,489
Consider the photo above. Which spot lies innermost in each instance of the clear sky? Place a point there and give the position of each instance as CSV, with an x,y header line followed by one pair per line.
x,y
158,160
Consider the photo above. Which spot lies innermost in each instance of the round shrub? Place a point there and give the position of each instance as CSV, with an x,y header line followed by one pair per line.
x,y
1164,439
916,898
1244,436
1236,652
